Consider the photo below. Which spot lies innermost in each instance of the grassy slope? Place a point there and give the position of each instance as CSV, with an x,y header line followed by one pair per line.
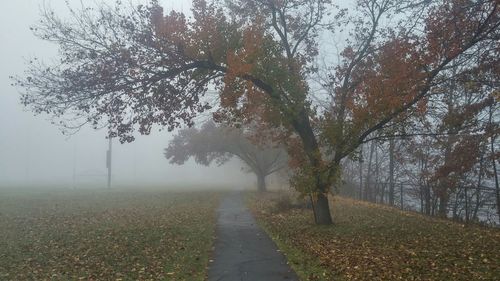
x,y
372,242
102,235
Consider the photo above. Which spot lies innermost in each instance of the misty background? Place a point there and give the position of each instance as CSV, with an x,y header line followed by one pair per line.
x,y
34,152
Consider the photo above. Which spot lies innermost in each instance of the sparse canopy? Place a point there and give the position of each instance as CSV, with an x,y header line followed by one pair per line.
x,y
141,66
217,143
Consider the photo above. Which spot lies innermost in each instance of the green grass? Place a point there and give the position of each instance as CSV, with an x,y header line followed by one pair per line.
x,y
373,242
106,235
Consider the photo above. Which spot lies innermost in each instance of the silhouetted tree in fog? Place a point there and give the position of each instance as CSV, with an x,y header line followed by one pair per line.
x,y
216,143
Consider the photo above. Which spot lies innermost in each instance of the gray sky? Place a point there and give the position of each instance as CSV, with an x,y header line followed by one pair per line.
x,y
34,152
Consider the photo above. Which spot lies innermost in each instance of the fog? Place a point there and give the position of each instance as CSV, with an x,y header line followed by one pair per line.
x,y
33,152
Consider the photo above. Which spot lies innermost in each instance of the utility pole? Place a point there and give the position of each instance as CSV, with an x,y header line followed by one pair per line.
x,y
108,161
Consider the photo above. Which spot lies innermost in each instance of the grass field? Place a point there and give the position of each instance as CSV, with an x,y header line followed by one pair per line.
x,y
106,235
373,242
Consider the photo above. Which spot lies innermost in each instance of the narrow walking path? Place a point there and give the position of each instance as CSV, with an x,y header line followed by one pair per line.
x,y
243,251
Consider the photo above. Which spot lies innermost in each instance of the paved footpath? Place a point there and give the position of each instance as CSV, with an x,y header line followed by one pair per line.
x,y
243,251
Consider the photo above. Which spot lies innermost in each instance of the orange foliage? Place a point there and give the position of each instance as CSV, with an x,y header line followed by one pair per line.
x,y
390,79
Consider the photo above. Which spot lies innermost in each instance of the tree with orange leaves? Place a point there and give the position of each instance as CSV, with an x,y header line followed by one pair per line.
x,y
130,69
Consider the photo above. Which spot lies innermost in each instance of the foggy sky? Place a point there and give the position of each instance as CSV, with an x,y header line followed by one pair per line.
x,y
34,152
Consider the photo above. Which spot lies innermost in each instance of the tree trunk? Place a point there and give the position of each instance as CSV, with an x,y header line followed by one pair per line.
x,y
401,196
424,184
303,127
455,214
495,174
467,211
361,173
383,191
421,197
427,196
376,187
434,201
391,172
494,162
368,186
322,209
443,204
478,187
497,191
261,182
444,184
